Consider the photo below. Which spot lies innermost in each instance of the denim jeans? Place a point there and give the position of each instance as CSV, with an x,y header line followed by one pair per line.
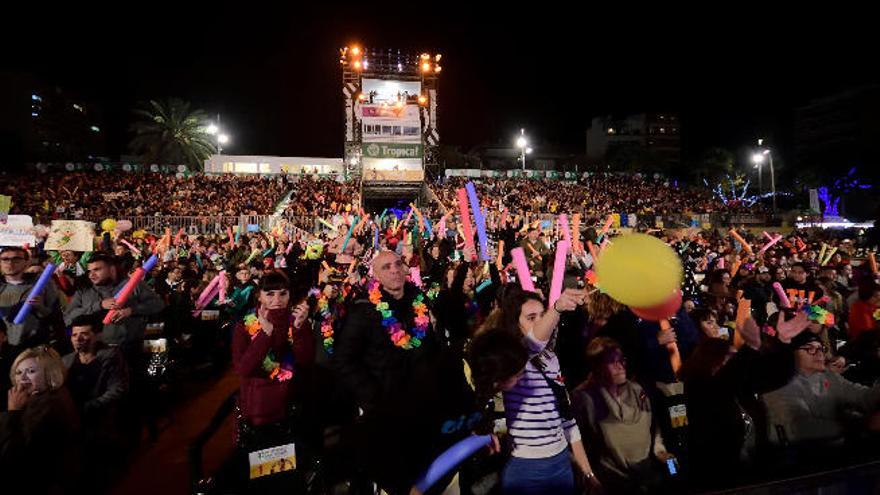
x,y
550,476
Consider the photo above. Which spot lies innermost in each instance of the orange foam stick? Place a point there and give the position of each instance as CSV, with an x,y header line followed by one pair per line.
x,y
873,261
672,349
576,233
743,312
500,254
742,241
593,251
735,267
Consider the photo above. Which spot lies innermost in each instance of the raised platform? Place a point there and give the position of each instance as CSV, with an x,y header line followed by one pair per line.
x,y
378,195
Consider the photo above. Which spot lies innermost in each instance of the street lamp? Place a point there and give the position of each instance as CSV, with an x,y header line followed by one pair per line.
x,y
758,158
523,146
214,130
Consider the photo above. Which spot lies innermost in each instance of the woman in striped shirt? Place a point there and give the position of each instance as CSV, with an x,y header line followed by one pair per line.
x,y
537,409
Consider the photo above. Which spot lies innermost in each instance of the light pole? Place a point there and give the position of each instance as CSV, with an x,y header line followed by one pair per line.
x,y
214,130
758,158
523,146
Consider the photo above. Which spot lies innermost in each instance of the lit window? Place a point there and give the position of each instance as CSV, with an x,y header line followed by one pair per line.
x,y
246,167
265,168
34,114
36,97
95,128
77,107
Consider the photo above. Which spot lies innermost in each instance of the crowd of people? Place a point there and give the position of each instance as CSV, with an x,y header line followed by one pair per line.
x,y
408,340
94,196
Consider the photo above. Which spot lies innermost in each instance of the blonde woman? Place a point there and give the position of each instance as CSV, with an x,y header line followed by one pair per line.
x,y
39,431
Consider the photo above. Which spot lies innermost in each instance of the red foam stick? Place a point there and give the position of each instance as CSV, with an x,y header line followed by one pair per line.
x,y
465,218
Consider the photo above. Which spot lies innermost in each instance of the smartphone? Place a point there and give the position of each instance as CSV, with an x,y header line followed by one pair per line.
x,y
671,466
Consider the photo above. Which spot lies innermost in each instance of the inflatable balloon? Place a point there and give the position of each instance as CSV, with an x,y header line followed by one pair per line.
x,y
124,225
108,224
638,270
138,234
661,311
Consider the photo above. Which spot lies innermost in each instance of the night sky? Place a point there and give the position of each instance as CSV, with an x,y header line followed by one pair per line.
x,y
273,73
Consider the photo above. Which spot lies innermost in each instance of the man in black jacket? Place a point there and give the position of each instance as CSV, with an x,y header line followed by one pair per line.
x,y
414,397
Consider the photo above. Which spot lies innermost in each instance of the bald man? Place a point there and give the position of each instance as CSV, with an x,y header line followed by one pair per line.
x,y
413,394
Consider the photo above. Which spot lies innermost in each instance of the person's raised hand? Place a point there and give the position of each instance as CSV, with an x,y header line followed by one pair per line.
x,y
300,313
666,336
263,316
570,299
788,329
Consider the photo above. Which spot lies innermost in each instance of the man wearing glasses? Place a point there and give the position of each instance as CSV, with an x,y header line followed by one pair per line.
x,y
818,405
15,288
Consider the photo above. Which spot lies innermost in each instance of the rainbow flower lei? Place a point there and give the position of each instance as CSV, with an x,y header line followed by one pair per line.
x,y
281,371
396,331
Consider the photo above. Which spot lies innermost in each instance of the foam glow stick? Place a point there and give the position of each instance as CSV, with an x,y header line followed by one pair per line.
x,y
178,236
605,227
448,460
231,239
873,261
132,283
465,221
209,297
522,269
415,274
382,216
328,224
558,270
672,349
376,238
133,249
735,268
361,223
348,236
253,255
441,227
780,292
500,254
745,245
563,225
204,296
822,252
419,217
743,311
480,220
768,236
409,216
503,221
593,253
767,246
289,247
428,227
35,292
576,233
721,263
830,255
224,285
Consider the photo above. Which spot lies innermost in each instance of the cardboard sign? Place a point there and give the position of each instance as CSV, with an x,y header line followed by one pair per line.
x,y
272,460
17,231
5,205
71,235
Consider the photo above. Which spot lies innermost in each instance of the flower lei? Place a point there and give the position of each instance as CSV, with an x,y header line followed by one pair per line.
x,y
396,331
281,371
433,291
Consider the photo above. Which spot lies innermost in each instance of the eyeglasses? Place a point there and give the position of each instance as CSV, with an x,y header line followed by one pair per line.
x,y
12,260
812,350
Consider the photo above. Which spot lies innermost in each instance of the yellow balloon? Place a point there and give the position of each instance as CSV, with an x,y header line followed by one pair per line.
x,y
639,270
108,224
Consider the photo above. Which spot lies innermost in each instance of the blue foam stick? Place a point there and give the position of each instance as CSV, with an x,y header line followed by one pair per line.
x,y
35,292
376,237
480,220
354,222
448,460
486,283
428,227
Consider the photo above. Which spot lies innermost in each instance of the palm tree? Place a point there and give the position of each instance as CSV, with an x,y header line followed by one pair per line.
x,y
169,132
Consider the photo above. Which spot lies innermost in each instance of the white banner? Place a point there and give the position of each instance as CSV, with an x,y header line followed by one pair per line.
x,y
17,231
71,235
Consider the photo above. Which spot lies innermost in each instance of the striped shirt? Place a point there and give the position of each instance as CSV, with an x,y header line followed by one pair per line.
x,y
533,421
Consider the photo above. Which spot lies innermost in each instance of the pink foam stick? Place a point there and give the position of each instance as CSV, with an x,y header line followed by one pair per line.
x,y
289,247
133,249
780,292
721,262
416,276
767,246
465,220
558,270
563,225
203,304
207,292
178,236
607,225
231,238
768,236
224,285
522,269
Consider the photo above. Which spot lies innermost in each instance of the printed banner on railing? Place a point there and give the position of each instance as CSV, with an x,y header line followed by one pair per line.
x,y
17,231
272,460
71,235
392,150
